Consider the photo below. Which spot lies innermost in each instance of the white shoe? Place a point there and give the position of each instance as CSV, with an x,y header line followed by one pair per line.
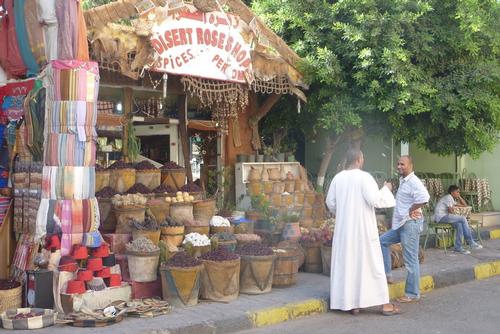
x,y
476,246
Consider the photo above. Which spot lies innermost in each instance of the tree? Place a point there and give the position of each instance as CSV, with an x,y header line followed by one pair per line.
x,y
417,67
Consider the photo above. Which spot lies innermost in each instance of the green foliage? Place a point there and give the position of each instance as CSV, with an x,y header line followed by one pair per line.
x,y
87,4
261,204
426,71
133,143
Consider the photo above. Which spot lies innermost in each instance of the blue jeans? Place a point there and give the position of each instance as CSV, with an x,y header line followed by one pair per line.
x,y
462,227
409,236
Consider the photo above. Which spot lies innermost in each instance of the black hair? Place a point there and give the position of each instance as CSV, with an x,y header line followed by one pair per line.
x,y
452,188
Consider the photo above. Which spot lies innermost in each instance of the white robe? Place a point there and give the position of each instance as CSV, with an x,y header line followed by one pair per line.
x,y
357,270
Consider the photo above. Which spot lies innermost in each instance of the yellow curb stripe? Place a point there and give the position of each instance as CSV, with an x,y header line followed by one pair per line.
x,y
486,270
495,234
398,289
275,315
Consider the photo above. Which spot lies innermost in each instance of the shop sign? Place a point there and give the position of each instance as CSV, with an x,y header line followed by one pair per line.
x,y
208,45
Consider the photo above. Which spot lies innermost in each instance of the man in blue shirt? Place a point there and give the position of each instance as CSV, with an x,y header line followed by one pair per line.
x,y
407,223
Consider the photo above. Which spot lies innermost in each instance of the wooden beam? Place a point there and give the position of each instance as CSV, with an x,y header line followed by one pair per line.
x,y
184,136
261,111
239,8
128,105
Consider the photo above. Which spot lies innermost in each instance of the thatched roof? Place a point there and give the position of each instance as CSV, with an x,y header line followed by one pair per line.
x,y
271,57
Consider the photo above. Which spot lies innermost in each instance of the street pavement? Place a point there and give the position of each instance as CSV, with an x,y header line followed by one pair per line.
x,y
472,307
310,296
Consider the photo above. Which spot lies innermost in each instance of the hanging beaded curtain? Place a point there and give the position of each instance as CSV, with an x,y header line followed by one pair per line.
x,y
278,85
224,99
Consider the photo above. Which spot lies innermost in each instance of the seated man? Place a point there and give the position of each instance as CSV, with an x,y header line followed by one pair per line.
x,y
444,214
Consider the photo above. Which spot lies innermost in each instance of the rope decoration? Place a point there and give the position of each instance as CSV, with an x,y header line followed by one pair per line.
x,y
278,85
224,99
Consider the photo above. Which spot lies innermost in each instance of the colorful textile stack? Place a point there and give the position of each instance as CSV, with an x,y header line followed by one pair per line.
x,y
26,250
4,206
33,32
27,182
68,202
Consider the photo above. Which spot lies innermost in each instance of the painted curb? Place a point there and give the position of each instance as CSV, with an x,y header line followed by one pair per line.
x,y
495,234
487,270
397,289
276,315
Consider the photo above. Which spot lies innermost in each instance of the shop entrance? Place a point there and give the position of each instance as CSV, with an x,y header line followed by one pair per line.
x,y
156,147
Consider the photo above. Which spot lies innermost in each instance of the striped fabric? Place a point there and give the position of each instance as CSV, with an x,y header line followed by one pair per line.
x,y
76,117
4,206
68,204
67,150
68,182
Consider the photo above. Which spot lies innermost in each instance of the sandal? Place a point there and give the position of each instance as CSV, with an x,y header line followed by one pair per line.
x,y
395,310
406,299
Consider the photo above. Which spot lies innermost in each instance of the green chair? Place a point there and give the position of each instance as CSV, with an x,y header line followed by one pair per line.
x,y
444,233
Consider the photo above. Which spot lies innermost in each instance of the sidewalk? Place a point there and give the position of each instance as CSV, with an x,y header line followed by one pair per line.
x,y
310,295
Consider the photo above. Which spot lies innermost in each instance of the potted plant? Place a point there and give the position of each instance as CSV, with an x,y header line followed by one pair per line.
x,y
259,157
261,208
268,153
291,229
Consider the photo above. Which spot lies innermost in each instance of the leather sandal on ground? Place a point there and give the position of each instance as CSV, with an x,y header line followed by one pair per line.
x,y
406,299
395,310
354,311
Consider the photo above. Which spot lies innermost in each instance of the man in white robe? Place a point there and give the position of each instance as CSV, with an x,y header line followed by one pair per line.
x,y
357,269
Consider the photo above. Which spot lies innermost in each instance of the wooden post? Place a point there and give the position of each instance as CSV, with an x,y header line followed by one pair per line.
x,y
128,104
184,136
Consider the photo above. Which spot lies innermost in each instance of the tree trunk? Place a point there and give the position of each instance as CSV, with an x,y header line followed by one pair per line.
x,y
254,119
332,142
278,136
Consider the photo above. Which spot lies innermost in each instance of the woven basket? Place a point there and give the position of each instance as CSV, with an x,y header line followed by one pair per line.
x,y
181,212
256,274
122,180
101,179
174,178
220,281
151,178
173,235
198,229
204,210
221,229
11,298
124,215
159,209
